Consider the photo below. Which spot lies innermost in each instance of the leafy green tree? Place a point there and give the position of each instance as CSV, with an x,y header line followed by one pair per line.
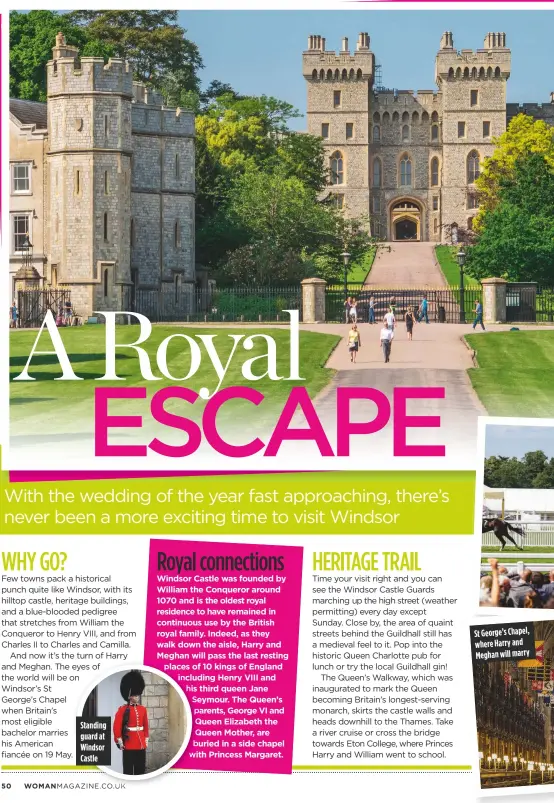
x,y
523,136
516,236
151,40
533,470
32,37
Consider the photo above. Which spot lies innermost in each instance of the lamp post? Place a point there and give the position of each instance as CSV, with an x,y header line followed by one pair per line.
x,y
27,248
506,762
530,767
495,759
542,768
346,257
461,257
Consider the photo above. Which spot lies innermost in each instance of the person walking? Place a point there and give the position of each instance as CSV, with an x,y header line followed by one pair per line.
x,y
13,315
354,342
347,305
386,336
353,312
423,310
410,320
392,306
371,309
390,320
478,310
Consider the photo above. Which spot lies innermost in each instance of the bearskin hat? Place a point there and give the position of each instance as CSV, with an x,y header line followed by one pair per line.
x,y
131,684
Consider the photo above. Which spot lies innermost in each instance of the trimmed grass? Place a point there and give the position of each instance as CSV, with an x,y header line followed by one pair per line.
x,y
510,550
450,268
515,374
358,271
59,403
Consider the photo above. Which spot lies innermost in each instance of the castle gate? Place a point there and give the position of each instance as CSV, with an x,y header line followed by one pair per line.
x,y
405,220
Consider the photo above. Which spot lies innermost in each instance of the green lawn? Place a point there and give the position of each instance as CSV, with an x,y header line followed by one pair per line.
x,y
59,403
510,549
450,268
515,374
357,271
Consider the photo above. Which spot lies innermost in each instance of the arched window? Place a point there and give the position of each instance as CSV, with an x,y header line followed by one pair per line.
x,y
482,73
359,75
415,117
314,75
106,183
405,117
351,74
376,117
435,117
405,171
329,75
489,72
376,173
344,75
177,234
133,233
466,72
459,72
472,167
434,133
105,282
405,133
434,171
425,117
337,75
474,72
177,166
497,72
322,75
105,226
376,133
395,117
451,73
386,118
337,168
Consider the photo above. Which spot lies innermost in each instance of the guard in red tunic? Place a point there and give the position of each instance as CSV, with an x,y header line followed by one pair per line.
x,y
130,725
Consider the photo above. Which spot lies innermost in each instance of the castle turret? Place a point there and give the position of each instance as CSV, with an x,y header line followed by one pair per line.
x,y
339,91
89,130
473,88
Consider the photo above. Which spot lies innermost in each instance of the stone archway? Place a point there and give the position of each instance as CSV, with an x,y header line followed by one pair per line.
x,y
405,221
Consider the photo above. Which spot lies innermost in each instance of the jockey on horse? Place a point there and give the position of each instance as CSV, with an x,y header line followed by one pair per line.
x,y
500,528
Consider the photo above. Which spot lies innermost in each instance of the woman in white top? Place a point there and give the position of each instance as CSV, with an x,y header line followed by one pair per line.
x,y
353,312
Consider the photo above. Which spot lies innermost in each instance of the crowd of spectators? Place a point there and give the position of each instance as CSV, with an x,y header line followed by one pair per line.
x,y
516,587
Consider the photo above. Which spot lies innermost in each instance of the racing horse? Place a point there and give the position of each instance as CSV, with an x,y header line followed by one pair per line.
x,y
501,529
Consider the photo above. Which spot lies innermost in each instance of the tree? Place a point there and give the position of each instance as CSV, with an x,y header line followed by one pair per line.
x,y
533,470
516,236
152,40
523,136
32,37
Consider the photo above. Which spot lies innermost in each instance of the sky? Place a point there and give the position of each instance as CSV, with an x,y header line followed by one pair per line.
x,y
259,52
515,441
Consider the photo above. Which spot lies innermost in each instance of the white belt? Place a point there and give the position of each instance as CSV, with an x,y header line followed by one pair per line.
x,y
135,729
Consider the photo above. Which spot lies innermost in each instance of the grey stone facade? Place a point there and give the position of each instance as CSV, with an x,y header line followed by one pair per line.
x,y
408,160
119,184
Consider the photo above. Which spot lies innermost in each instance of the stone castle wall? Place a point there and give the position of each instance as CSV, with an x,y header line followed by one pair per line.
x,y
471,90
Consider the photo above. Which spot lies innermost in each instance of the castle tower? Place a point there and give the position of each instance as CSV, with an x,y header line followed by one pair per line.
x,y
339,91
89,177
473,88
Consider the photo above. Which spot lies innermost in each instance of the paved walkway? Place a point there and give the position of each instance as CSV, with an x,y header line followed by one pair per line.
x,y
406,265
438,357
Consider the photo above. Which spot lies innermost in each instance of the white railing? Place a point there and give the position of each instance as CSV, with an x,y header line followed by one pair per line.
x,y
539,533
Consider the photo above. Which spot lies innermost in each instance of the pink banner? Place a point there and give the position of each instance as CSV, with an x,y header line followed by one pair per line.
x,y
222,619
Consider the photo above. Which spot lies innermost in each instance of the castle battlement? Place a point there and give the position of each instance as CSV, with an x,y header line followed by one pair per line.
x,y
491,61
319,64
69,74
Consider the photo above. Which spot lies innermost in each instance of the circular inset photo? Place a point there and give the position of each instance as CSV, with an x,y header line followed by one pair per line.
x,y
148,718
